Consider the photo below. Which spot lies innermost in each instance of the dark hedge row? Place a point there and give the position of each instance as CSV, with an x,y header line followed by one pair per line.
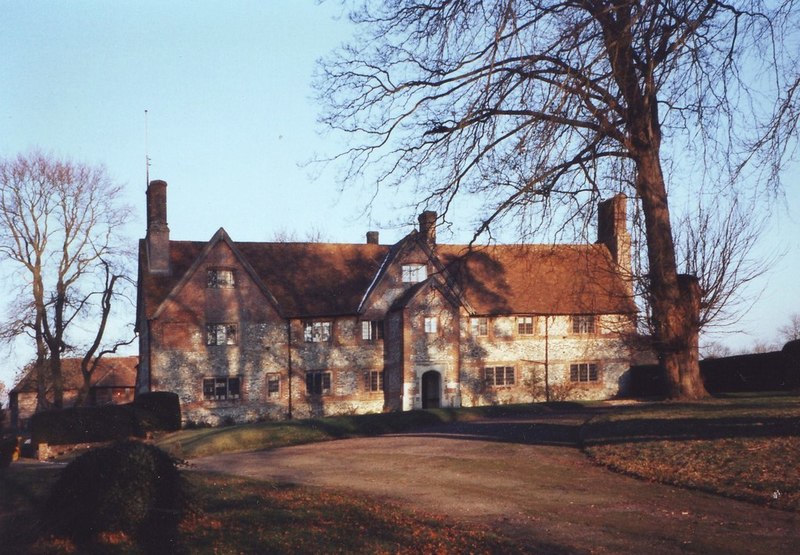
x,y
148,413
774,371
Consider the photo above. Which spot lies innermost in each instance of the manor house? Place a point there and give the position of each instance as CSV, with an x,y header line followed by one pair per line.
x,y
244,331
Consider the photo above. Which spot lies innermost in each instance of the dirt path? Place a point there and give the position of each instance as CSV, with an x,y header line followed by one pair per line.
x,y
526,478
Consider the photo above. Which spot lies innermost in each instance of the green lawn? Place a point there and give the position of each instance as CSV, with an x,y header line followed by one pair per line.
x,y
269,435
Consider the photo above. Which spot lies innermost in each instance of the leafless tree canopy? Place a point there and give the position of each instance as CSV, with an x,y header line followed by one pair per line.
x,y
537,108
60,225
791,330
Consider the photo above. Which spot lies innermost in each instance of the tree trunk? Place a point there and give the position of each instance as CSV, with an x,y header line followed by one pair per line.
x,y
675,300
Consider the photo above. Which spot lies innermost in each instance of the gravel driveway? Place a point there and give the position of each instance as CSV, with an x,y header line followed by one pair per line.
x,y
526,478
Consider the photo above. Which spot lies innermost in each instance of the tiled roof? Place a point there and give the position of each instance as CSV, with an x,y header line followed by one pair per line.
x,y
537,279
306,279
110,372
329,279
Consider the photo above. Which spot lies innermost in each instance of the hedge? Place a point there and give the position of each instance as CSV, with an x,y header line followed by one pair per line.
x,y
150,412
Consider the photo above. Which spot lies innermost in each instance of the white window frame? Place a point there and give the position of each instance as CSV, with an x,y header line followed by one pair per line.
x,y
375,381
529,322
324,377
500,376
371,330
273,378
221,278
479,326
431,324
221,334
584,324
317,331
414,273
222,388
584,372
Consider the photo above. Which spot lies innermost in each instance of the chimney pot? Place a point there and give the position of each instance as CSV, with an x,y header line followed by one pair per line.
x,y
372,238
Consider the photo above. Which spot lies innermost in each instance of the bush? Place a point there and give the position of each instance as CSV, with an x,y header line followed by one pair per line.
x,y
8,445
129,487
162,408
150,412
84,425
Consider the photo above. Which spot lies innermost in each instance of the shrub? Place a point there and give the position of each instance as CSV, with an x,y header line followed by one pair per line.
x,y
129,487
83,425
8,445
163,411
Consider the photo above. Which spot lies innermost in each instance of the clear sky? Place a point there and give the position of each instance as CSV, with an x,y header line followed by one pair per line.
x,y
231,123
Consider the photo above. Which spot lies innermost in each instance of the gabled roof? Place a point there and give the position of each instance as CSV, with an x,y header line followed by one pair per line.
x,y
110,372
334,279
306,279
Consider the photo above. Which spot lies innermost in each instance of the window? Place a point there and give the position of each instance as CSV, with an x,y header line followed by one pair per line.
x,y
479,326
218,389
431,324
525,325
371,330
374,380
499,376
583,372
318,383
221,279
273,385
317,332
220,334
583,324
414,273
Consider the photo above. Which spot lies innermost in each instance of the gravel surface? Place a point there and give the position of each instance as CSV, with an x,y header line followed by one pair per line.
x,y
526,478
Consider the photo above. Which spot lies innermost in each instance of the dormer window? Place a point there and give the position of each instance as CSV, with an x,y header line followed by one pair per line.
x,y
414,273
219,278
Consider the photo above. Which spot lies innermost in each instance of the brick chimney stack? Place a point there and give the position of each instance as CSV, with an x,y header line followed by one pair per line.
x,y
372,238
157,238
612,231
427,228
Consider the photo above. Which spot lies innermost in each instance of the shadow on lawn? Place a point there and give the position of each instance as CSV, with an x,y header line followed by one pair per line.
x,y
584,426
684,429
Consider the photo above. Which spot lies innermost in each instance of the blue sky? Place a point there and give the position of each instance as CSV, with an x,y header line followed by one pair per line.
x,y
231,122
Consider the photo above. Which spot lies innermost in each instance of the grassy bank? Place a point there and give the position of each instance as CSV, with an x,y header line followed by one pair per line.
x,y
745,447
202,442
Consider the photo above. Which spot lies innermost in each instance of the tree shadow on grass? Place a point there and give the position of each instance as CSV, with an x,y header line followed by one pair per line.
x,y
581,426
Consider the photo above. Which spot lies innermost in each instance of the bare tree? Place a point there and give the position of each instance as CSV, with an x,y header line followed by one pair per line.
x,y
59,232
715,349
717,245
536,109
791,330
284,235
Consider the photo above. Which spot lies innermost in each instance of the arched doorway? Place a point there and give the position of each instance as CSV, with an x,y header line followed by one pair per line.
x,y
431,389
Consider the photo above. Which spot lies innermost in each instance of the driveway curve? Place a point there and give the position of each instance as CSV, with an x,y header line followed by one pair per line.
x,y
527,479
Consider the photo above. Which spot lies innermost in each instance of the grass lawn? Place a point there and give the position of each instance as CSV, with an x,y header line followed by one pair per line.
x,y
745,447
200,442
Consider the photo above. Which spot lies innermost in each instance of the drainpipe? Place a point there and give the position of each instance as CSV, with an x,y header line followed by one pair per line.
x,y
547,358
289,345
